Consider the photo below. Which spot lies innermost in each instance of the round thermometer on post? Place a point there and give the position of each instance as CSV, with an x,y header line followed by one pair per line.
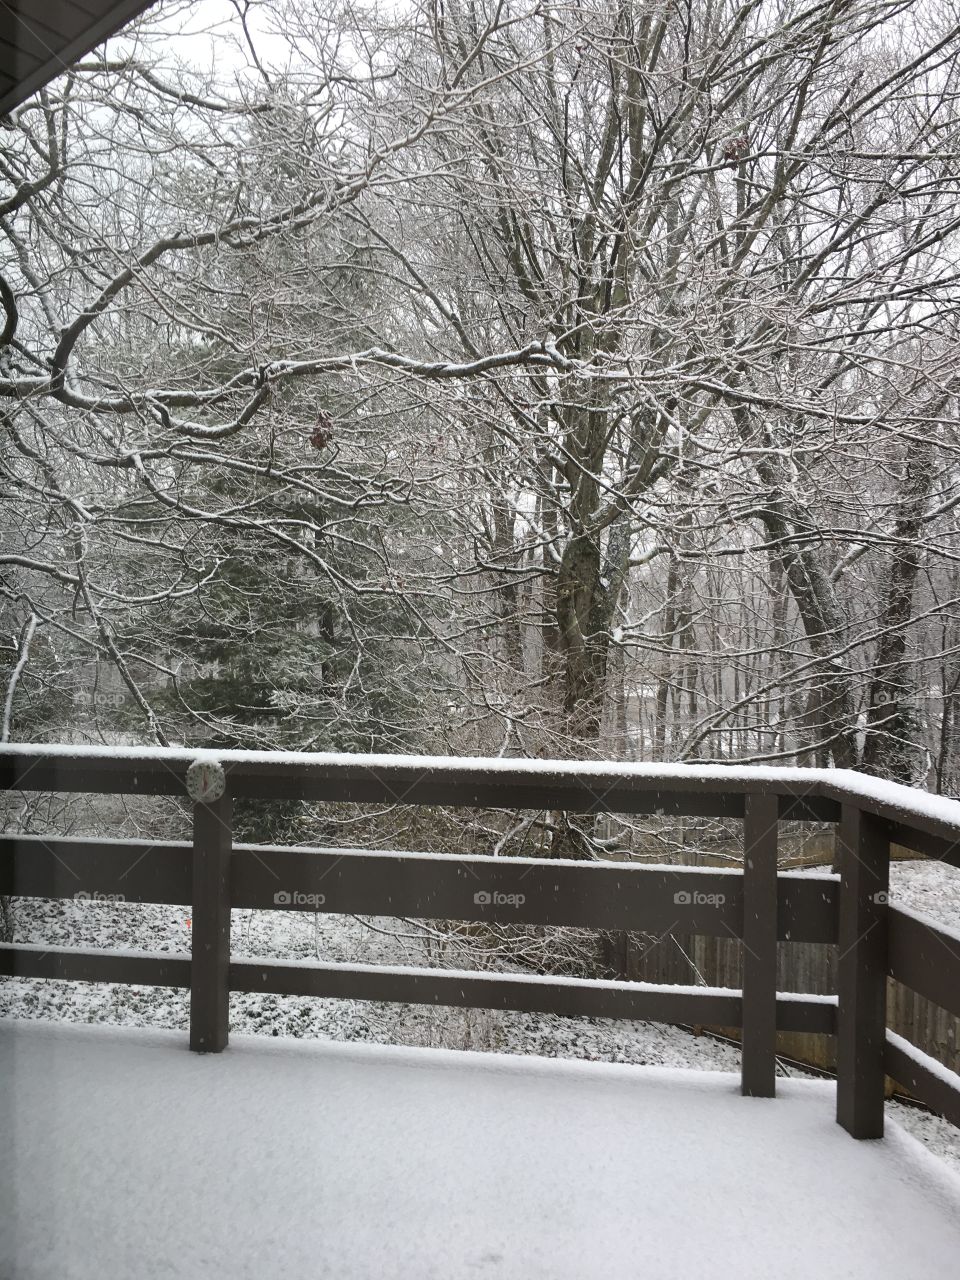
x,y
206,781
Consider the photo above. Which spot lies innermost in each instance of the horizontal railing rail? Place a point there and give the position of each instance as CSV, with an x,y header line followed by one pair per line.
x,y
925,957
876,941
614,895
569,997
718,791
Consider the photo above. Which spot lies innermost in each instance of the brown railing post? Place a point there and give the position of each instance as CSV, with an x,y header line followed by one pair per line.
x,y
864,855
759,1063
210,963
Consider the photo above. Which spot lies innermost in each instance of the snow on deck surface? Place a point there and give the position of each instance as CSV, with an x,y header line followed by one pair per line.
x,y
127,1156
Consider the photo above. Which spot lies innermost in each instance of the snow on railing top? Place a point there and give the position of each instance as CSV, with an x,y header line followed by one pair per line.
x,y
463,764
889,799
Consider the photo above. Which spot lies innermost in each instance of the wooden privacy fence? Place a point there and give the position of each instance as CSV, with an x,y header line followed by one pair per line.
x,y
874,939
801,966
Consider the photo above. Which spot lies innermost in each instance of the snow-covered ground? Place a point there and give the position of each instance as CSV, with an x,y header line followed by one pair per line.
x,y
931,888
125,1155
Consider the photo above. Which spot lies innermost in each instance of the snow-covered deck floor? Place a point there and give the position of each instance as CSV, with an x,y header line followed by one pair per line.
x,y
126,1156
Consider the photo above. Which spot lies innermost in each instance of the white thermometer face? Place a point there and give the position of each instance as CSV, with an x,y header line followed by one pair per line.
x,y
206,782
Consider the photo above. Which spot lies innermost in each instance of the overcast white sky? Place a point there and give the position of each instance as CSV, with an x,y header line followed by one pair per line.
x,y
208,34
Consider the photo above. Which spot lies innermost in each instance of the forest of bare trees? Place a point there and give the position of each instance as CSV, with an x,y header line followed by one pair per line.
x,y
486,378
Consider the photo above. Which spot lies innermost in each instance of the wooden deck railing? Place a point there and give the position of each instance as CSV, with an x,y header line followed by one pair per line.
x,y
874,939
